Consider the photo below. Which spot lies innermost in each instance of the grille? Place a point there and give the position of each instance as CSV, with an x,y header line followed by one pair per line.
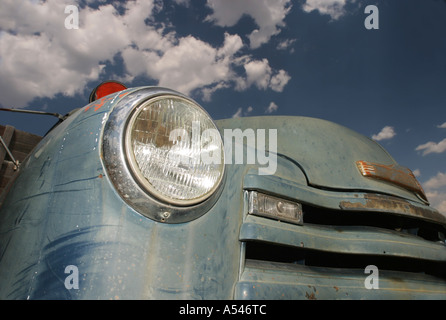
x,y
404,224
269,252
397,242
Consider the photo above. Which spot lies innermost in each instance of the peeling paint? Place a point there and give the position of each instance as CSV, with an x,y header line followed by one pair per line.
x,y
376,202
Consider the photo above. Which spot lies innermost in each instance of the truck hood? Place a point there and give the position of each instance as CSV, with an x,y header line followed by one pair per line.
x,y
327,153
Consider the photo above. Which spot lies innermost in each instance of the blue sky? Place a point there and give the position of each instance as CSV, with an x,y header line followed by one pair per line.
x,y
310,58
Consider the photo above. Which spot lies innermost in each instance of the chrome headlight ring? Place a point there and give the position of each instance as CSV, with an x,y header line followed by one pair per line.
x,y
151,161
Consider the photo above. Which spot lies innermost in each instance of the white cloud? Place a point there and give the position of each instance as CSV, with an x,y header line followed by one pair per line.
x,y
182,2
441,206
260,74
189,65
242,113
435,189
437,200
39,57
232,44
333,8
269,16
436,182
272,108
285,44
386,133
238,113
207,92
442,126
279,80
416,173
432,147
185,66
192,63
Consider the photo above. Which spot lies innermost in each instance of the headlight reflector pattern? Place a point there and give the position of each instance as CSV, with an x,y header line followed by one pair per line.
x,y
175,150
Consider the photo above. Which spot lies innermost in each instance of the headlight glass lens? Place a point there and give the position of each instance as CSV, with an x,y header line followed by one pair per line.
x,y
175,150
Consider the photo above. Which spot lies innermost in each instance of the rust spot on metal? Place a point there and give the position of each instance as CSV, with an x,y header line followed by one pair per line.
x,y
382,203
310,296
395,174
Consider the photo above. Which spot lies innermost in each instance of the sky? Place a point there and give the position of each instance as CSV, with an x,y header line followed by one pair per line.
x,y
378,70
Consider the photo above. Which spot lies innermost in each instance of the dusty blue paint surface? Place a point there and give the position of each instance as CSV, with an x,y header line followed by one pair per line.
x,y
64,211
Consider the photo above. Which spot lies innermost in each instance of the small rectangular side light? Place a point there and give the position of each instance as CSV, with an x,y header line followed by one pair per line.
x,y
261,204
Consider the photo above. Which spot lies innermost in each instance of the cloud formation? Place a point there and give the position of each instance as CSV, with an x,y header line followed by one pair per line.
x,y
386,133
260,74
437,200
432,147
333,8
268,15
273,107
435,189
39,57
242,113
436,182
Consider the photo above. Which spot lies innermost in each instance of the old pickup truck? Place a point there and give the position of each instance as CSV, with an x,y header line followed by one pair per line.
x,y
141,195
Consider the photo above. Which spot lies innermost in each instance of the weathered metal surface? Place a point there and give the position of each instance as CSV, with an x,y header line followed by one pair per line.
x,y
348,201
383,203
268,280
326,152
395,174
352,240
64,209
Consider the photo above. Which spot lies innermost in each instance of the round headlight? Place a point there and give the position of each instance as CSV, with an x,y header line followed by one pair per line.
x,y
174,150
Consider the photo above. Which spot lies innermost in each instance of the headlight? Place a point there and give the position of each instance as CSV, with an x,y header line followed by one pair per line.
x,y
163,154
174,150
